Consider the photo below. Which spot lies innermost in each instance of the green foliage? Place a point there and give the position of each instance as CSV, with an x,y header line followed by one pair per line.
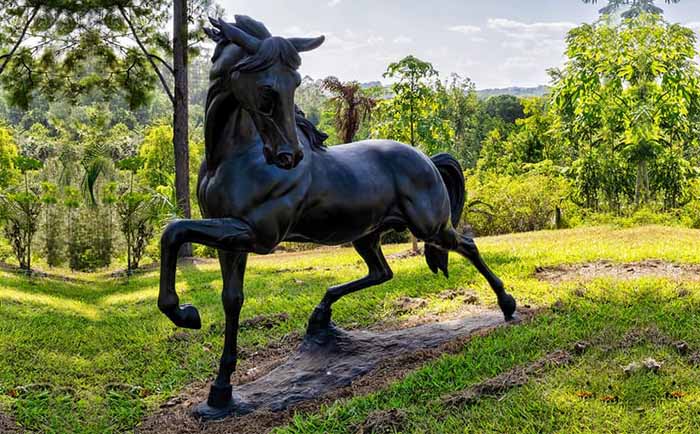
x,y
142,209
20,213
351,104
517,203
629,96
636,7
505,107
53,225
413,114
157,155
8,157
90,246
460,107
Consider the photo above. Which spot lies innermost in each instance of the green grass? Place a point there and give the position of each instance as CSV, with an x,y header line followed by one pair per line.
x,y
96,356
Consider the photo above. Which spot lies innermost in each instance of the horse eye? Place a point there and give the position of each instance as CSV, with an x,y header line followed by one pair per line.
x,y
267,100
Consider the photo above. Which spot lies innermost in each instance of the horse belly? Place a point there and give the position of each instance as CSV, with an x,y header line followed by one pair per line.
x,y
344,218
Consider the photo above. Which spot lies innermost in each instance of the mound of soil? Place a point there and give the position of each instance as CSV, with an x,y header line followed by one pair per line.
x,y
626,271
361,362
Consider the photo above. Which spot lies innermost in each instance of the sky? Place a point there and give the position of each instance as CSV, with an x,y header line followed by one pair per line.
x,y
496,43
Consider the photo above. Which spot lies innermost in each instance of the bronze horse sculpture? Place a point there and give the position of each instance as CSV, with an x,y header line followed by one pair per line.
x,y
268,178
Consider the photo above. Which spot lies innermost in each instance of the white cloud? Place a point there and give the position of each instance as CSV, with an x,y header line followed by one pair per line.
x,y
695,25
466,29
402,39
334,3
509,26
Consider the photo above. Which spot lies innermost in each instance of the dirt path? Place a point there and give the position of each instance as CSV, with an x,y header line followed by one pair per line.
x,y
623,271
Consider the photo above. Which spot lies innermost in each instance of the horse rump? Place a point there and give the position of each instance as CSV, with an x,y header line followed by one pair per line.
x,y
453,177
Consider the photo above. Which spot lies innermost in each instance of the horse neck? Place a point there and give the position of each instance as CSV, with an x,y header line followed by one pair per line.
x,y
228,129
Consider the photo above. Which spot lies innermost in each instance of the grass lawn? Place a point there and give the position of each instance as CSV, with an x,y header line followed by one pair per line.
x,y
94,355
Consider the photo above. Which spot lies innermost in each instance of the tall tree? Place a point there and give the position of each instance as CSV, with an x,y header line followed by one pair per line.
x,y
461,107
627,100
154,46
636,7
181,111
352,106
413,114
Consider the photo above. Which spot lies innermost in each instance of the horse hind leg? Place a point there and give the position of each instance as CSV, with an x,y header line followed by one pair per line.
x,y
369,248
451,240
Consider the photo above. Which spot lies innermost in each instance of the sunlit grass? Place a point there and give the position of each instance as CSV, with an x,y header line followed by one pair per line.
x,y
94,354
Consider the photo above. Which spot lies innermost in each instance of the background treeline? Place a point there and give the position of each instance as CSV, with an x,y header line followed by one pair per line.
x,y
614,140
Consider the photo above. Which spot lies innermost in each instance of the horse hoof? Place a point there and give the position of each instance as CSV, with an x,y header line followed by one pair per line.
x,y
322,338
186,316
508,305
206,412
220,405
319,323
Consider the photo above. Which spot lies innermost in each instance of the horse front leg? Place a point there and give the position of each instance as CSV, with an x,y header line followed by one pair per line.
x,y
220,402
231,235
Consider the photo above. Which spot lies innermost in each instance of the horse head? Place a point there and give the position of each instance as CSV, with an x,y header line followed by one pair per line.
x,y
260,71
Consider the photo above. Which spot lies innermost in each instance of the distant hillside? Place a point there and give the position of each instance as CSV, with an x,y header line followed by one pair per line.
x,y
515,91
371,84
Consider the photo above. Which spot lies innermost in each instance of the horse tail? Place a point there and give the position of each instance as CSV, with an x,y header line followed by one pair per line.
x,y
453,177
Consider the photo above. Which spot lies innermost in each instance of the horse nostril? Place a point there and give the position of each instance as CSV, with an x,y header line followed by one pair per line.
x,y
285,160
299,157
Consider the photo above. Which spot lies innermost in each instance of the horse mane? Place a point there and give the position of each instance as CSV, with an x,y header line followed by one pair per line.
x,y
272,50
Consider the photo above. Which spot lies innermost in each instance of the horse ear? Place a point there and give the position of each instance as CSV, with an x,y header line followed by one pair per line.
x,y
307,44
249,43
255,28
213,34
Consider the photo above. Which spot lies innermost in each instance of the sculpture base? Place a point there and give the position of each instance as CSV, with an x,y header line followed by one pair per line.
x,y
334,361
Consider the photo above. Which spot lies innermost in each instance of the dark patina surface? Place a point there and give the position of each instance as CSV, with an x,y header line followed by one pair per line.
x,y
268,178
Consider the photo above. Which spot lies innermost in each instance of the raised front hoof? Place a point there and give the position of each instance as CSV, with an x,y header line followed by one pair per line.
x,y
186,316
508,306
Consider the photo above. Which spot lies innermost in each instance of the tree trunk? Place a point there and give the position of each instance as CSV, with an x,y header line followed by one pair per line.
x,y
641,194
180,114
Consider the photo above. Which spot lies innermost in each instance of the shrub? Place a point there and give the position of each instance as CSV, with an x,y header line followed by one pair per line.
x,y
393,237
90,244
519,203
53,242
20,213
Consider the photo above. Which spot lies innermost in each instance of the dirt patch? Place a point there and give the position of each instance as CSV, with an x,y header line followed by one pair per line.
x,y
407,254
508,380
383,422
468,296
651,334
407,304
264,321
176,417
8,425
625,271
